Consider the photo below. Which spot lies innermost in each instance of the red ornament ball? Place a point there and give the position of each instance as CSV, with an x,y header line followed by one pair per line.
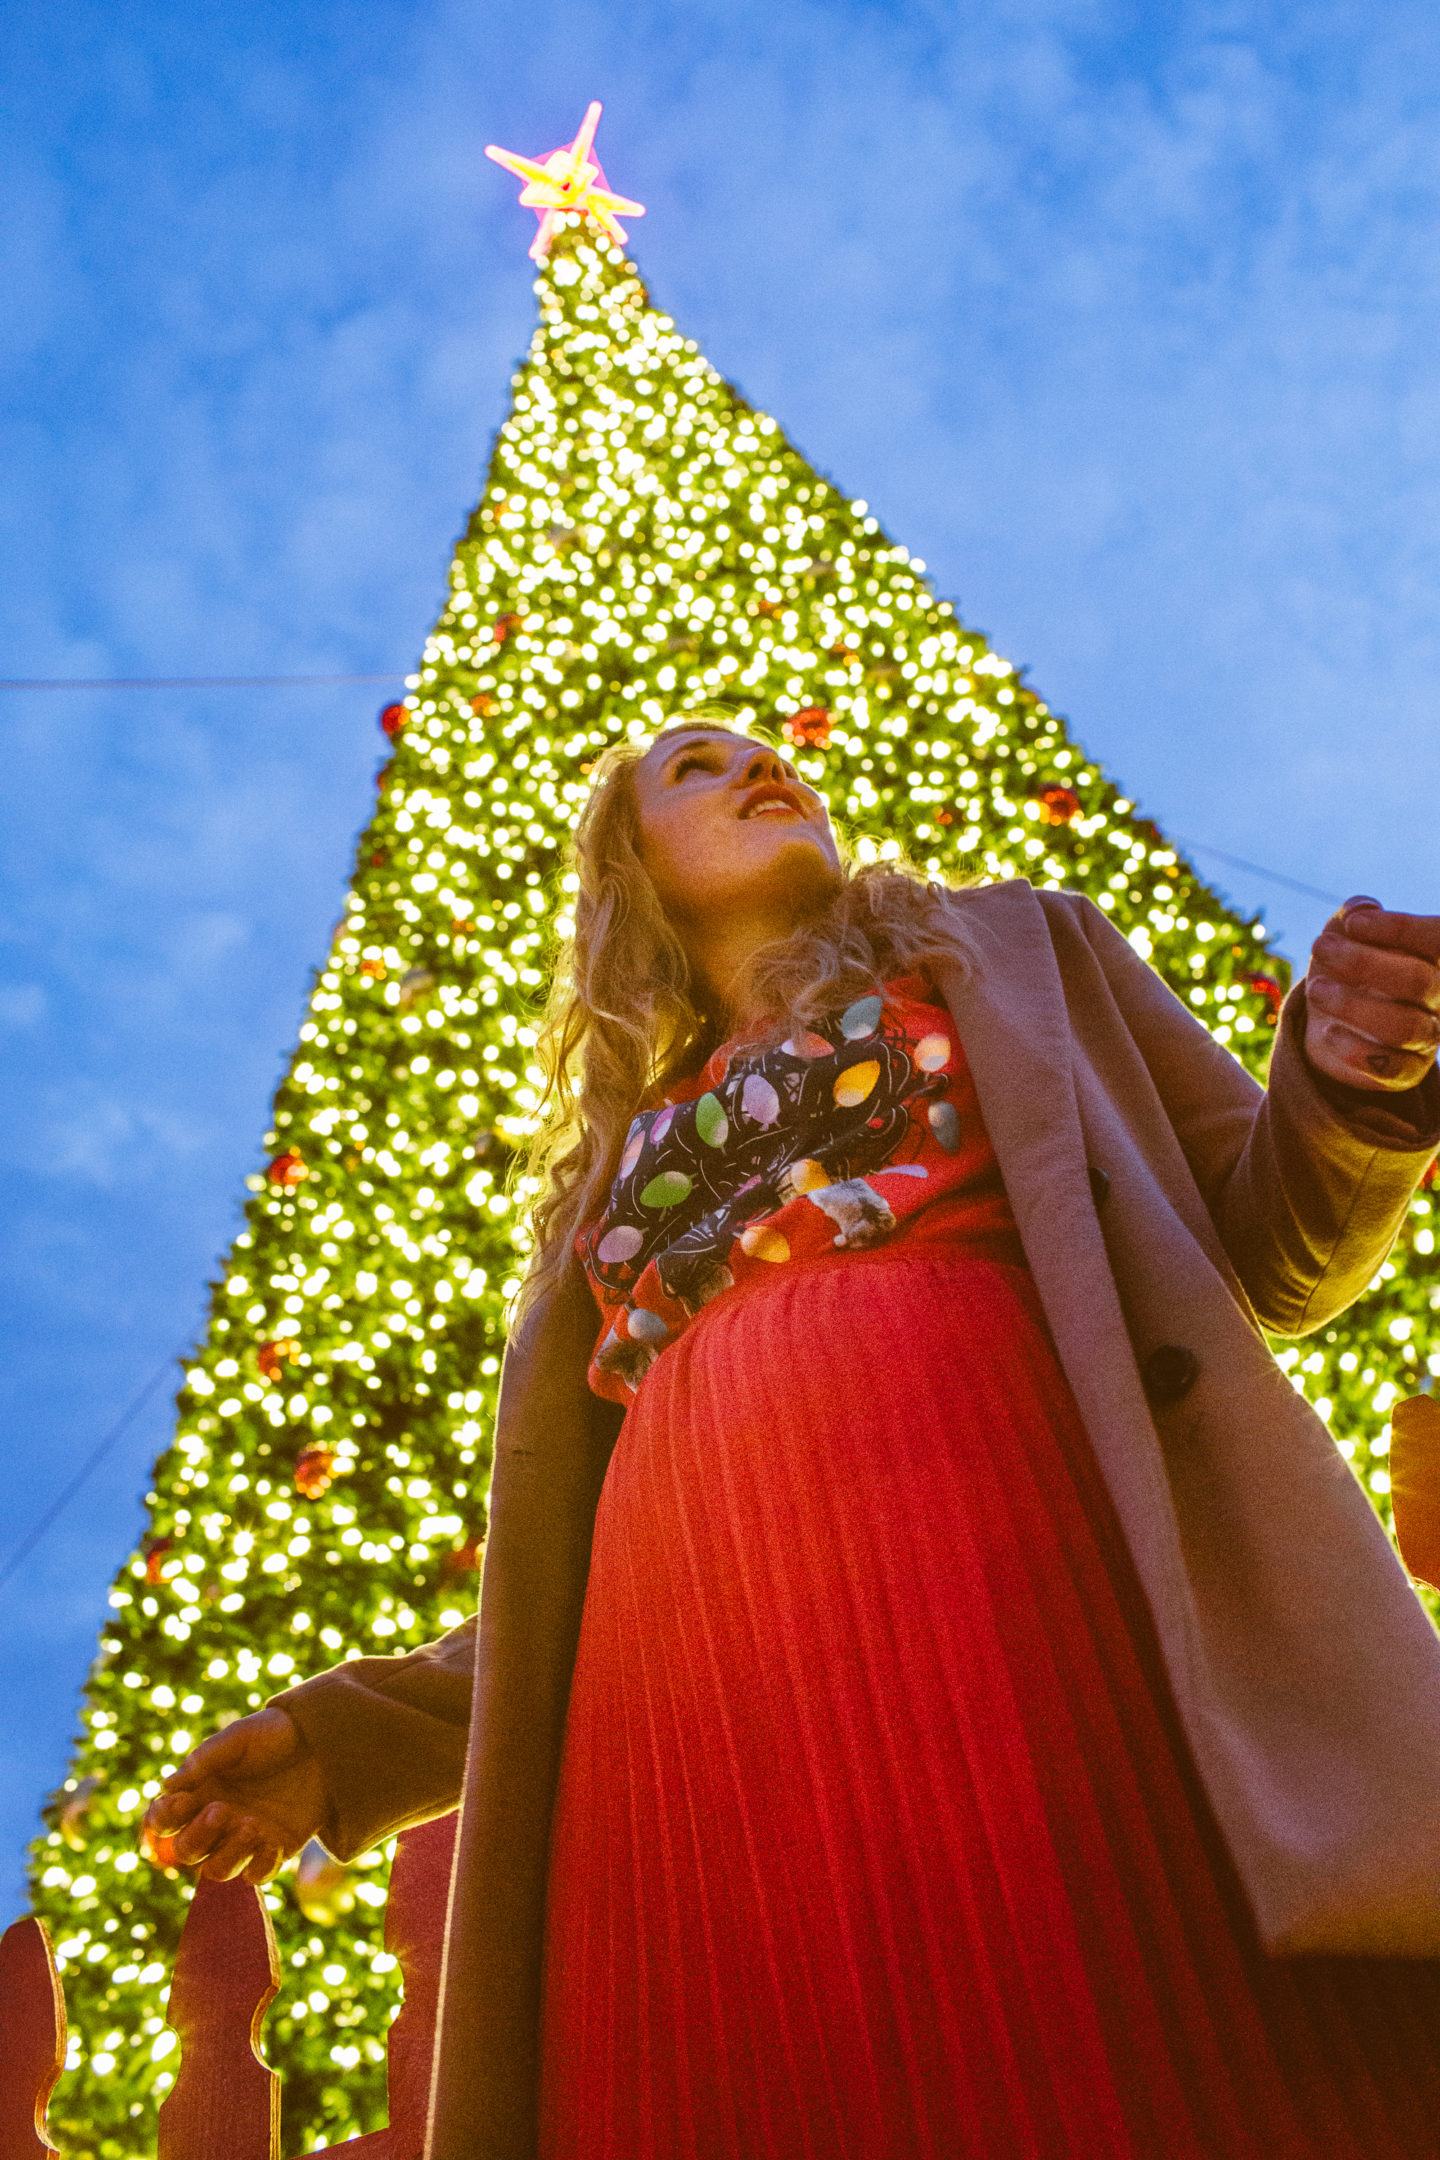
x,y
1267,987
273,1356
287,1168
160,1846
810,727
314,1470
466,1559
393,719
155,1559
1429,1177
504,626
1058,804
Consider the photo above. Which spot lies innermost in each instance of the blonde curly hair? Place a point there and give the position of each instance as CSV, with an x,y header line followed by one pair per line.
x,y
625,1019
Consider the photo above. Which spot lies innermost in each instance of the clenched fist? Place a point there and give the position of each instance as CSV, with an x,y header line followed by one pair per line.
x,y
244,1801
1372,997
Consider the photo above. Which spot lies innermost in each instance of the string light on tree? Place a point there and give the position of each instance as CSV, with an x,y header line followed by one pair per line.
x,y
649,545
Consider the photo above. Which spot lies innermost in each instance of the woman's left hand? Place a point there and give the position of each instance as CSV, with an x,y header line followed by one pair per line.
x,y
1372,996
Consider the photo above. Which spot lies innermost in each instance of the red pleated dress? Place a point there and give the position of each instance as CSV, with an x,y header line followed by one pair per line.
x,y
877,1834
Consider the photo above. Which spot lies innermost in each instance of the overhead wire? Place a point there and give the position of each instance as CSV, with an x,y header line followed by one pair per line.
x,y
178,682
91,1463
261,682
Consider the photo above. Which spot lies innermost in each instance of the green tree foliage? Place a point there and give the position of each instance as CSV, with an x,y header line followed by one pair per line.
x,y
647,543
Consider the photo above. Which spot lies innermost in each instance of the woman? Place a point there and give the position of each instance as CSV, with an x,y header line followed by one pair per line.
x,y
822,1723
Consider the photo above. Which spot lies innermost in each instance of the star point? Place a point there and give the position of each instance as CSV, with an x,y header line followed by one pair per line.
x,y
568,179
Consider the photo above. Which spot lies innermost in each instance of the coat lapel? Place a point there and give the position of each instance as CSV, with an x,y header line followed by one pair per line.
x,y
1011,1015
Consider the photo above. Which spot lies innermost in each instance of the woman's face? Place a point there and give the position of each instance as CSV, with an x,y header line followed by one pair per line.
x,y
728,828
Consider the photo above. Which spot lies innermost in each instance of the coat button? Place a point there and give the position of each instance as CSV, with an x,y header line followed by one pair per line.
x,y
1169,1372
1099,1184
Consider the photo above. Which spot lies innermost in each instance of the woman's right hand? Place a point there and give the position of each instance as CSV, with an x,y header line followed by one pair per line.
x,y
243,1802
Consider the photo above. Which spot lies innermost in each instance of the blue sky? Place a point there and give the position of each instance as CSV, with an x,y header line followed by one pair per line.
x,y
1124,318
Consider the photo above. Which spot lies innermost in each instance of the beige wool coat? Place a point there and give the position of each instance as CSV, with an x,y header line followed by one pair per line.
x,y
1170,1208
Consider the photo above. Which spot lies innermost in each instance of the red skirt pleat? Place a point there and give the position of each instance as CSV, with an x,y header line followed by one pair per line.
x,y
877,1833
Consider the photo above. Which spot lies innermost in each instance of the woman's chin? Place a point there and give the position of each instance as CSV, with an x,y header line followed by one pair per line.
x,y
770,839
801,869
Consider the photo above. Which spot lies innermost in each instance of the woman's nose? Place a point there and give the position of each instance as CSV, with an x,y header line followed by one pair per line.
x,y
764,765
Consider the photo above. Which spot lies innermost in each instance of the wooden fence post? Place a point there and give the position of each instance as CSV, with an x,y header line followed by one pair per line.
x,y
415,1915
225,2103
32,2038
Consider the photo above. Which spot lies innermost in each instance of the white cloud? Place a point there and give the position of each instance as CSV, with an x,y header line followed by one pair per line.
x,y
22,1005
198,943
112,1144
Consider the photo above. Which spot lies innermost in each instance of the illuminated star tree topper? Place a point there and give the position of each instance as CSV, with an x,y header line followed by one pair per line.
x,y
568,179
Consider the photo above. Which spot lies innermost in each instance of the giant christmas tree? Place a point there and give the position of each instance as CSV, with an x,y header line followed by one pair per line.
x,y
646,543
